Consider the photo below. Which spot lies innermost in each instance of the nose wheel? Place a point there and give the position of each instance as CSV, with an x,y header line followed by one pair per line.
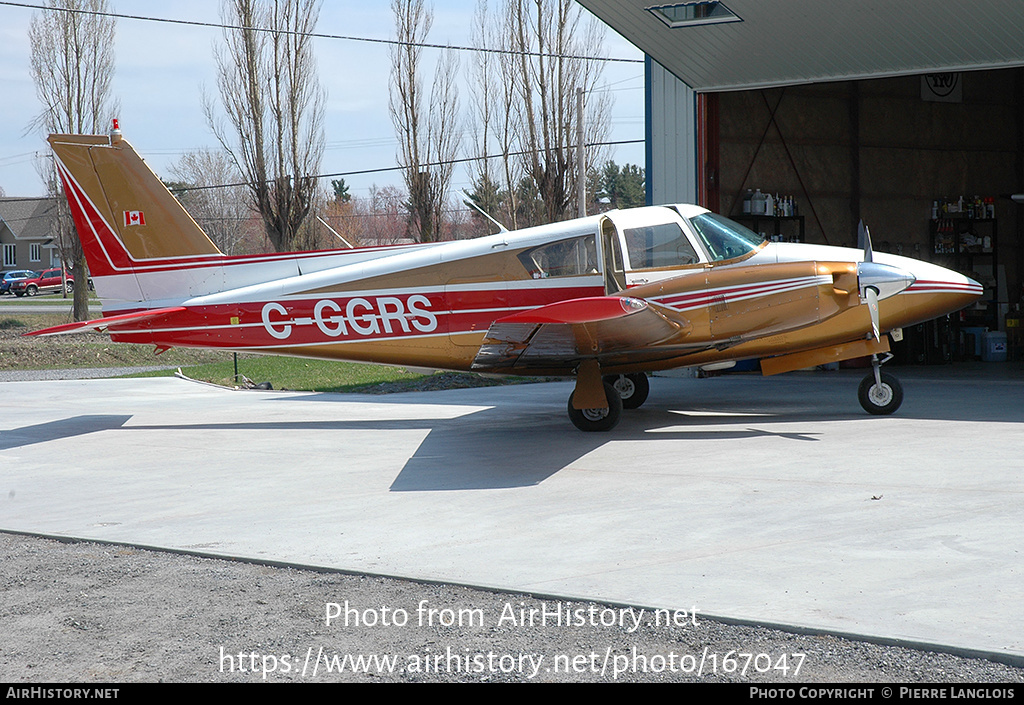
x,y
880,393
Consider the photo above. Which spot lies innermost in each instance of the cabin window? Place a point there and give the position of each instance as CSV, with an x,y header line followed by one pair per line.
x,y
664,245
565,258
723,238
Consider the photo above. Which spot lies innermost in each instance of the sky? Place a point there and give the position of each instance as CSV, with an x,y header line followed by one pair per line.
x,y
163,69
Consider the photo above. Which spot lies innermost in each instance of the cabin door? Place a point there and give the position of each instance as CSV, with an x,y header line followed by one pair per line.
x,y
614,270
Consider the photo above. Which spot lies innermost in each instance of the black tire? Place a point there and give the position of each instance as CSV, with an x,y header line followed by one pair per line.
x,y
32,290
19,294
883,400
69,287
598,419
632,388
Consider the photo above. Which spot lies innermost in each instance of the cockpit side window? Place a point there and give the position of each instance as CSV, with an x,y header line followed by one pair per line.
x,y
565,258
723,238
664,245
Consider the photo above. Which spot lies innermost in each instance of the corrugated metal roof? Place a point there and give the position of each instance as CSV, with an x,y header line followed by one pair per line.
x,y
786,42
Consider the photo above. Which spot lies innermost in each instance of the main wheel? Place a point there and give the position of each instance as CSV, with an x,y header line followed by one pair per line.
x,y
69,287
31,290
880,399
598,419
632,388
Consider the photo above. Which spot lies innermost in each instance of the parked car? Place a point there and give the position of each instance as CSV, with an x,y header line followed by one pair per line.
x,y
47,281
10,276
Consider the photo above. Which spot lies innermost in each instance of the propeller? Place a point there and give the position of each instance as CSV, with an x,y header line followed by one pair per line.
x,y
870,293
878,281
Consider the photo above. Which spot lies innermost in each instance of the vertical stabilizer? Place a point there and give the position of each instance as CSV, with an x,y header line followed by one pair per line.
x,y
126,218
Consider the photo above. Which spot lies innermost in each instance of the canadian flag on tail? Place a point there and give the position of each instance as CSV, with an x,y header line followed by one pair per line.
x,y
134,218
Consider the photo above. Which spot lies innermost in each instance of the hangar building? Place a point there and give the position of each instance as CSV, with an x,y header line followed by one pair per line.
x,y
908,115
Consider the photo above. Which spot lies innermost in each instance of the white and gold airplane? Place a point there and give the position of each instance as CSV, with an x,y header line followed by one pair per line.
x,y
605,299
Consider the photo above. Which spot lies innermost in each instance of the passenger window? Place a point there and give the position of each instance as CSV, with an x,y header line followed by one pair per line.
x,y
659,246
565,258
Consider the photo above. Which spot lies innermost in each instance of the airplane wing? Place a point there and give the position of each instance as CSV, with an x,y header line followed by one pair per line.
x,y
611,329
108,322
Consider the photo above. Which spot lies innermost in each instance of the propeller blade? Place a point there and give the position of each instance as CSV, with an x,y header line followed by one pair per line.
x,y
872,297
864,241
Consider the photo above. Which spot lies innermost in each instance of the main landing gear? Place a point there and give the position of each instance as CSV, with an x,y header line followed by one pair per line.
x,y
597,419
622,392
880,393
632,388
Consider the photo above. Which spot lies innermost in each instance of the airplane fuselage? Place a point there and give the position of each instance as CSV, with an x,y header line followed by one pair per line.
x,y
603,297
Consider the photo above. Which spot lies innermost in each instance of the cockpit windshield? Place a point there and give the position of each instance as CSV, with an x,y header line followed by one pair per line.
x,y
723,238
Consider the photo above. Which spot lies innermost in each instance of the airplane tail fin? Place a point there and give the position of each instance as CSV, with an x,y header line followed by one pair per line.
x,y
128,221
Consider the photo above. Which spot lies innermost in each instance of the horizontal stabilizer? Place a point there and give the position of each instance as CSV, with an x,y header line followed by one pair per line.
x,y
115,322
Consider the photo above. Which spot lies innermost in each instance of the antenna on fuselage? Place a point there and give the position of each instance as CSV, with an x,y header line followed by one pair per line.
x,y
469,202
334,232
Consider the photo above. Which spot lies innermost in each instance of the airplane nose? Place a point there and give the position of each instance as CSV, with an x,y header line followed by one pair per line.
x,y
937,291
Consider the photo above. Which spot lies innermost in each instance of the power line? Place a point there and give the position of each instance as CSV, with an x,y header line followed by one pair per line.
x,y
316,35
381,170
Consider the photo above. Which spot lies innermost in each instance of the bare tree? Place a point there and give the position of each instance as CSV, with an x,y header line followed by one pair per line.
x,y
547,38
223,212
72,67
269,90
428,137
491,101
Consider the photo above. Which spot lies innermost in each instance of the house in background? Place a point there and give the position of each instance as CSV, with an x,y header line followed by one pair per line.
x,y
26,233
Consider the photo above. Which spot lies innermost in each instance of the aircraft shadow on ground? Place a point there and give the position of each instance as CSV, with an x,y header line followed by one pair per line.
x,y
59,429
474,452
513,442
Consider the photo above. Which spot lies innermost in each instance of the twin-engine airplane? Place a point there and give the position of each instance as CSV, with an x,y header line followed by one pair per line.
x,y
605,298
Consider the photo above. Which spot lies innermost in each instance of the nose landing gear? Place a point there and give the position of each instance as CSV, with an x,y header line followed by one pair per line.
x,y
880,393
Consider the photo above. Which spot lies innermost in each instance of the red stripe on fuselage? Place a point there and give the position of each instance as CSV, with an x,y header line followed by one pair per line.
x,y
369,317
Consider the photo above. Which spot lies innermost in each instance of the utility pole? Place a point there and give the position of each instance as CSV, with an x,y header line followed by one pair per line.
x,y
581,162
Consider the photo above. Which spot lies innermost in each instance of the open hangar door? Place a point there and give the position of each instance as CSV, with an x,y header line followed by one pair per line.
x,y
925,161
900,114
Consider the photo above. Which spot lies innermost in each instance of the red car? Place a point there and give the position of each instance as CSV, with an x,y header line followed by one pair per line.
x,y
47,281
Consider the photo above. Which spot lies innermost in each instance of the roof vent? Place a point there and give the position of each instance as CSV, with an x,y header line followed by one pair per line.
x,y
686,14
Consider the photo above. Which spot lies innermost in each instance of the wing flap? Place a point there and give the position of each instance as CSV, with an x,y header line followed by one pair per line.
x,y
559,335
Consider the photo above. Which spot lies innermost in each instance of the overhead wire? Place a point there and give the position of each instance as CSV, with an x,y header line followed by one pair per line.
x,y
316,35
337,145
380,170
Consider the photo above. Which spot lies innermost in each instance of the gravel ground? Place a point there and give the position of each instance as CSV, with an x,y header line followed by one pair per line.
x,y
77,373
86,612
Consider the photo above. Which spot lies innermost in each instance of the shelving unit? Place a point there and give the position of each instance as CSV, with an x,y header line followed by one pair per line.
x,y
969,245
779,227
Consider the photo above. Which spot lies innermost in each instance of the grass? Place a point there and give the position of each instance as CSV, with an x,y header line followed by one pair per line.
x,y
300,374
296,373
94,349
49,299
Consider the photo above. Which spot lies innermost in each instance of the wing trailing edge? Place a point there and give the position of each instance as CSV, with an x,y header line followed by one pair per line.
x,y
560,335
